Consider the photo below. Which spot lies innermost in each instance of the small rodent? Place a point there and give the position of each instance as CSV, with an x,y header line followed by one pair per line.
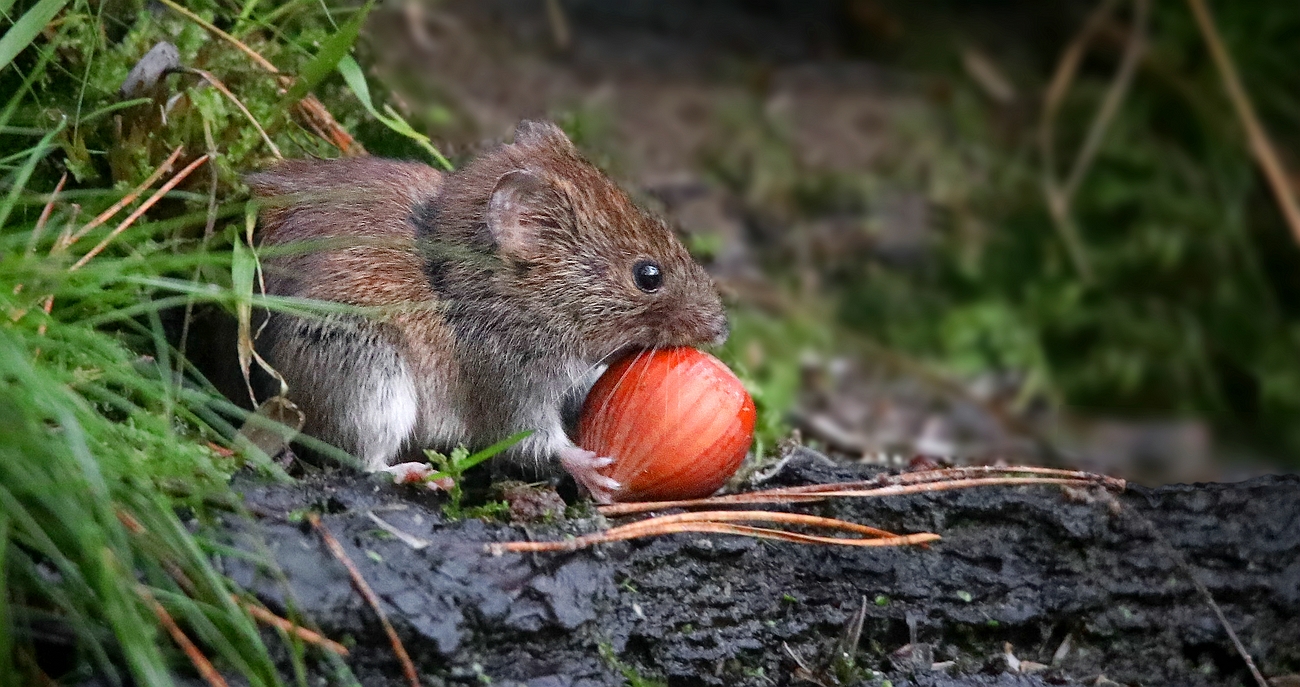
x,y
501,290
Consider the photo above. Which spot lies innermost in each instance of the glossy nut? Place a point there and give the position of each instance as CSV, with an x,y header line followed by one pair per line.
x,y
676,421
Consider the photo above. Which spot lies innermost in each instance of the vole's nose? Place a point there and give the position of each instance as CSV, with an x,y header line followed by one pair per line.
x,y
719,330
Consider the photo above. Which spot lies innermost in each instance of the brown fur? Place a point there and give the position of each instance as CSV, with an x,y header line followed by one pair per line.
x,y
359,211
502,287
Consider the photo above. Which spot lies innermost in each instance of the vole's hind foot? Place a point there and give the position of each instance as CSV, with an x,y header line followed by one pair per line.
x,y
584,465
410,473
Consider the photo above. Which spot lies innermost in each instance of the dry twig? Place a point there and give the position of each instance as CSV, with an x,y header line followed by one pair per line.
x,y
948,474
31,246
559,25
1133,51
1184,567
761,516
369,595
45,214
67,237
1265,154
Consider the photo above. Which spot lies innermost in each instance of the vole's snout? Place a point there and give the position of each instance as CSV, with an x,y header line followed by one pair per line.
x,y
691,328
719,330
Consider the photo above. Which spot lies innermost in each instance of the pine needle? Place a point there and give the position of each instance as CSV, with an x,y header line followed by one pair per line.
x,y
885,485
290,627
201,662
358,581
126,200
144,207
720,521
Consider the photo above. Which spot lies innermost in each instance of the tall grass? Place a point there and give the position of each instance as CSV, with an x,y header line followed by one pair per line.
x,y
99,443
106,432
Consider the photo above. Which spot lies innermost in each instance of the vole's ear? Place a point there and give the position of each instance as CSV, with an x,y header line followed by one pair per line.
x,y
521,207
532,133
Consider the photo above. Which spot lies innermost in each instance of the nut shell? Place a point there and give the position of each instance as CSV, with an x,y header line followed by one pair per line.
x,y
676,421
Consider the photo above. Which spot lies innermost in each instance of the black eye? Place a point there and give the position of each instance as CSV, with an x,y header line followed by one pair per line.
x,y
647,275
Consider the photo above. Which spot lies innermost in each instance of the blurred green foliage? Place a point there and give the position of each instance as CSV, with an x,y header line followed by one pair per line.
x,y
1193,308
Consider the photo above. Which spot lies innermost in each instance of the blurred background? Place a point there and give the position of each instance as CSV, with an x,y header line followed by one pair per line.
x,y
1013,230
1060,233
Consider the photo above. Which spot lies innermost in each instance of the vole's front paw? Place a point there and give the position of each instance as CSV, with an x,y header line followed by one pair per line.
x,y
584,465
408,473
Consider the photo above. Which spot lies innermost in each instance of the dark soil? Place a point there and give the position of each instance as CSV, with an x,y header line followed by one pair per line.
x,y
1094,581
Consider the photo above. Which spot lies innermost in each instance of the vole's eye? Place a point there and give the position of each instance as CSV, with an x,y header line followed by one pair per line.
x,y
647,275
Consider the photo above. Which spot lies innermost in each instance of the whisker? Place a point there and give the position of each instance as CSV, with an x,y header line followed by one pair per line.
x,y
622,432
618,383
639,448
603,359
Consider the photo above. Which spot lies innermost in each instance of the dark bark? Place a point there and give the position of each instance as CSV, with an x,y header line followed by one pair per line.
x,y
1027,565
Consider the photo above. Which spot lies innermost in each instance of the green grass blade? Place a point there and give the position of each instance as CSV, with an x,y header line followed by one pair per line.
x,y
71,610
110,109
8,676
332,49
137,635
26,29
25,172
356,81
480,456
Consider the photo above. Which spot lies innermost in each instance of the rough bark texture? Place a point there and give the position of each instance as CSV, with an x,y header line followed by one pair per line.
x,y
1032,566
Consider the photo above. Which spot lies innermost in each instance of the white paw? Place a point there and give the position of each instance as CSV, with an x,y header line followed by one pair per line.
x,y
584,465
410,473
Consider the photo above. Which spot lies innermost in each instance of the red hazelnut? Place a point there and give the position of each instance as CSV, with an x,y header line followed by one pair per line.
x,y
677,423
